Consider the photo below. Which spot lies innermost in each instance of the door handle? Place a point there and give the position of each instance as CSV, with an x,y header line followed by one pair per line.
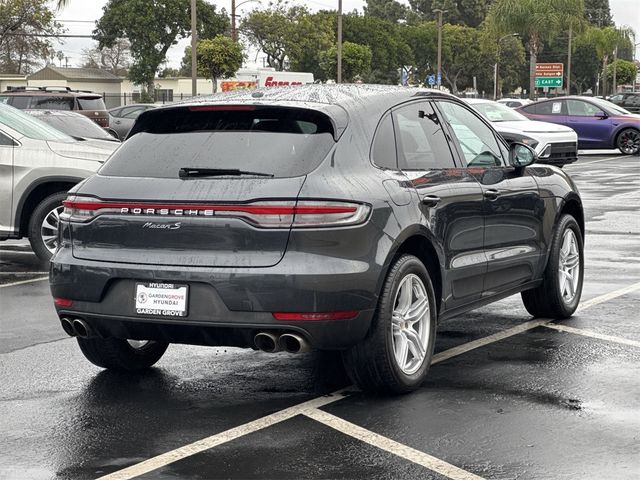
x,y
118,122
491,194
430,200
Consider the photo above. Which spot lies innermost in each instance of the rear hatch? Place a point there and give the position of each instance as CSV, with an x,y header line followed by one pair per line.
x,y
93,107
201,186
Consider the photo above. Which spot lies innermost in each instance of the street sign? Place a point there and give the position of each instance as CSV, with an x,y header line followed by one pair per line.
x,y
553,82
431,80
439,79
549,75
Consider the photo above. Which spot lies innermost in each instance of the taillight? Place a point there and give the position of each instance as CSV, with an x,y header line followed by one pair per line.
x,y
315,316
265,214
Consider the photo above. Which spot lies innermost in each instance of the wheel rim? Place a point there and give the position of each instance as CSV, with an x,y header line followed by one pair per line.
x,y
410,322
569,268
138,344
629,142
49,229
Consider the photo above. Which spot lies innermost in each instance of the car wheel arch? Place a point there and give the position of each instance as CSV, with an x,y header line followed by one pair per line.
x,y
572,205
36,192
621,129
418,242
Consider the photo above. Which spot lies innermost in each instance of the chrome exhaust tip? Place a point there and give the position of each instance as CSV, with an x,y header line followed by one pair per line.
x,y
67,326
267,342
81,328
292,343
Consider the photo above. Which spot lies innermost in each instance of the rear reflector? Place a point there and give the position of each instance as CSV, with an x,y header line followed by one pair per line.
x,y
266,214
341,315
63,302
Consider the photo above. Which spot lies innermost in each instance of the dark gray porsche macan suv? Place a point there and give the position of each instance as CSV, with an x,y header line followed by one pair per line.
x,y
347,217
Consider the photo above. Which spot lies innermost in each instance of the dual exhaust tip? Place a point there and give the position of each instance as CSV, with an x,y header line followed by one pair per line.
x,y
76,327
289,342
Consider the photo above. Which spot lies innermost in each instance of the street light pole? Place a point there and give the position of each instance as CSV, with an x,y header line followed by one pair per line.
x,y
495,67
439,74
233,20
194,43
339,49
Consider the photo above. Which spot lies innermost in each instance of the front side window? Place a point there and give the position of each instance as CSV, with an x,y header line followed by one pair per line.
x,y
578,108
421,142
477,141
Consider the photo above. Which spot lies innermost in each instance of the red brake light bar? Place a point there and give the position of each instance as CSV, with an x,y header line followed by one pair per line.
x,y
221,108
316,316
63,302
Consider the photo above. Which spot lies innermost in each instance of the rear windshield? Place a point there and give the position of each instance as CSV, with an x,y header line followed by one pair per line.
x,y
51,103
88,103
276,141
76,126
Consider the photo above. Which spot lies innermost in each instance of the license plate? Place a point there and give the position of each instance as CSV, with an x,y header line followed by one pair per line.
x,y
161,299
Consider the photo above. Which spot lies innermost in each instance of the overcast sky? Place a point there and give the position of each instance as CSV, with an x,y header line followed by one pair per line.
x,y
79,15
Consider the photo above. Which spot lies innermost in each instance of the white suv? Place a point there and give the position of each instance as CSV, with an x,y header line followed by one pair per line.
x,y
38,165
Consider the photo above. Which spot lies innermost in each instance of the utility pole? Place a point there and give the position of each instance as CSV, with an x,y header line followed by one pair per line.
x,y
194,43
569,61
615,71
233,20
339,66
439,74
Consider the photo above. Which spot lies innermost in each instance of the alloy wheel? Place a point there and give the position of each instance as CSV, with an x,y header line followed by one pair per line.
x,y
49,229
410,324
569,268
629,142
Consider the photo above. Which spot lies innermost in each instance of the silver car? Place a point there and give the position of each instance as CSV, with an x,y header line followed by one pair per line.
x,y
121,119
38,165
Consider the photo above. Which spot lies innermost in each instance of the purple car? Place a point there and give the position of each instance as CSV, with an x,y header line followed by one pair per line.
x,y
598,123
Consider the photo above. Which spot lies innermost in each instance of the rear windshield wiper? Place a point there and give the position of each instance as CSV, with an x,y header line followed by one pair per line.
x,y
186,172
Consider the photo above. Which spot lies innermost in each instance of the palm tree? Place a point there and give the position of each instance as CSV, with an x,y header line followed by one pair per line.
x,y
536,21
606,40
61,4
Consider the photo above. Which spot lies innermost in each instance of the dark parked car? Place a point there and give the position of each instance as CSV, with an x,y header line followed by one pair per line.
x,y
598,123
344,217
630,101
89,104
73,124
121,119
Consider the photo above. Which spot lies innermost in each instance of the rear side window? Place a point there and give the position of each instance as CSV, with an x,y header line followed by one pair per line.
x,y
20,102
549,108
421,143
5,141
383,151
283,142
88,103
51,103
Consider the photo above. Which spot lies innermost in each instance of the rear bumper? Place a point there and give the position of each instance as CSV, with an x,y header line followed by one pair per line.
x,y
226,306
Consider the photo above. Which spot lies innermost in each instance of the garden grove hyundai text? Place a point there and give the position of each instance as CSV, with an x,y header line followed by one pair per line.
x,y
342,217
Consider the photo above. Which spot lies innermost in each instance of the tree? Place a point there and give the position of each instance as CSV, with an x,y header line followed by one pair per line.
x,y
115,59
312,35
625,72
169,72
597,13
356,62
460,12
537,21
461,54
274,31
218,58
20,51
389,10
151,27
605,40
585,65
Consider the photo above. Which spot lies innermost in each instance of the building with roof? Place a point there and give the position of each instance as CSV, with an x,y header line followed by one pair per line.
x,y
92,79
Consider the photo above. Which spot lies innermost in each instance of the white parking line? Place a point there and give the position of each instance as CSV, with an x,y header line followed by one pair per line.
x,y
307,407
220,438
608,296
598,161
391,446
589,333
22,282
24,273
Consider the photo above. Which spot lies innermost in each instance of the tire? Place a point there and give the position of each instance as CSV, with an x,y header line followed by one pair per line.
x,y
373,364
44,220
119,355
628,141
554,299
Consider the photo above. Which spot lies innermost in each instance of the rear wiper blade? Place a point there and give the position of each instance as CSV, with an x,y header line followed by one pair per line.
x,y
186,172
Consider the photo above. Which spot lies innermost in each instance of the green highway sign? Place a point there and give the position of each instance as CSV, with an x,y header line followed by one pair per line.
x,y
553,82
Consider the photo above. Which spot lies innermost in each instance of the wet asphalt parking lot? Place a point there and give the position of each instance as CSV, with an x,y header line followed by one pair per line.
x,y
508,396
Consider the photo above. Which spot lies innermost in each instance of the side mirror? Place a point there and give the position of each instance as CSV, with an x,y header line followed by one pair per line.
x,y
521,155
600,114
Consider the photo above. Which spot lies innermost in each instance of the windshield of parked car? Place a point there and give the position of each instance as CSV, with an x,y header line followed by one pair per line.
x,y
74,125
609,106
29,126
283,142
496,112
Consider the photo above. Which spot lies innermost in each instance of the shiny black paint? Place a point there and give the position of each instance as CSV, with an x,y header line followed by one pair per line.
x,y
487,248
